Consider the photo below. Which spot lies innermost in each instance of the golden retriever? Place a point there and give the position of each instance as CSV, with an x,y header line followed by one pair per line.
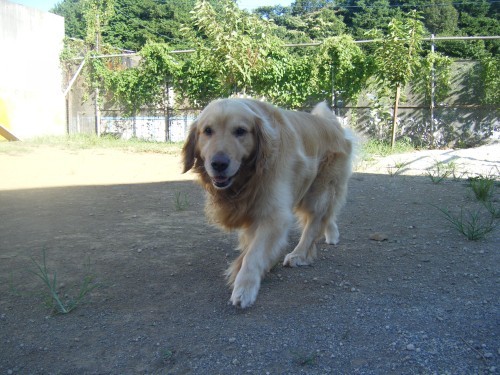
x,y
261,164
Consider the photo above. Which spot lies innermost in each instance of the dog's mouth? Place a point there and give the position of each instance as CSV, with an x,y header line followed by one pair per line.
x,y
222,182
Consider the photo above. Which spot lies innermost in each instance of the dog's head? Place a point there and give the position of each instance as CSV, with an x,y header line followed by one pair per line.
x,y
228,136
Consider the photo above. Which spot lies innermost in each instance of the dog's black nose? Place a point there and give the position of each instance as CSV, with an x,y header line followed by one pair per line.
x,y
220,162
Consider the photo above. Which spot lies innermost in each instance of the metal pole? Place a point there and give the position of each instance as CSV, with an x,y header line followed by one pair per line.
x,y
97,113
433,89
75,76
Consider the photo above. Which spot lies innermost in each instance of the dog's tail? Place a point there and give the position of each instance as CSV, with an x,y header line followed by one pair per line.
x,y
322,110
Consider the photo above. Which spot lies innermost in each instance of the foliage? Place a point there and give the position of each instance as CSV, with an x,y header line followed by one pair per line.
x,y
441,171
137,22
483,187
241,53
287,81
239,47
341,68
398,54
199,83
436,68
440,17
370,15
397,57
490,77
74,23
472,224
143,85
96,14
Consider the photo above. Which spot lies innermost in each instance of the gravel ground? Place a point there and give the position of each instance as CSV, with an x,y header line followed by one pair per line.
x,y
403,293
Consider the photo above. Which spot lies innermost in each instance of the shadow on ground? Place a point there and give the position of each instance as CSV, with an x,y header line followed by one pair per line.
x,y
425,300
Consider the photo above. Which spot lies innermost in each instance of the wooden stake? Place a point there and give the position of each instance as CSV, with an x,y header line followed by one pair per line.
x,y
395,116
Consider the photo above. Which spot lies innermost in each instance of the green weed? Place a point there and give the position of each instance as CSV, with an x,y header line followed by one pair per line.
x,y
492,209
441,171
181,201
472,224
306,359
375,147
397,168
483,187
54,301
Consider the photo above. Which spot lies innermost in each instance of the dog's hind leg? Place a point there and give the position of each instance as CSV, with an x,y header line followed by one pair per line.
x,y
330,220
311,211
340,174
305,251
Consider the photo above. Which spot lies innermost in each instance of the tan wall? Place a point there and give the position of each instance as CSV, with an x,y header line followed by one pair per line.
x,y
31,92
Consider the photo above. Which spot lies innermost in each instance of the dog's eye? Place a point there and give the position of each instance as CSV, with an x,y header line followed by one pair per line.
x,y
239,132
208,131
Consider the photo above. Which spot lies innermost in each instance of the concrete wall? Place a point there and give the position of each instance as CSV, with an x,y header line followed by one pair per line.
x,y
31,87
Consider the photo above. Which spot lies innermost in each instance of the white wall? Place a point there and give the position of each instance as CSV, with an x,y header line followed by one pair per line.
x,y
31,92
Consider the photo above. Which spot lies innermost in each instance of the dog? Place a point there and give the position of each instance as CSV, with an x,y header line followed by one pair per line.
x,y
260,165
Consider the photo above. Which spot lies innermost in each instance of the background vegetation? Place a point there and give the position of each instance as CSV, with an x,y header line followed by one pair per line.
x,y
237,52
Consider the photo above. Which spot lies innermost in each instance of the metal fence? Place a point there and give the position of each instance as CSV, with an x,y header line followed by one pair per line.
x,y
150,125
459,120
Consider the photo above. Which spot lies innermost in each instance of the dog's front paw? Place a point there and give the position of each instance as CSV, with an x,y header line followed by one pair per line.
x,y
246,288
296,260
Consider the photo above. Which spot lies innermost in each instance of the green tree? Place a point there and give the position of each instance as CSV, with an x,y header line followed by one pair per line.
x,y
238,45
398,57
341,69
371,14
490,76
303,7
74,23
138,21
96,14
144,85
324,23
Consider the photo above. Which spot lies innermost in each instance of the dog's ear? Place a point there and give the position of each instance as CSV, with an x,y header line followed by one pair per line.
x,y
265,144
189,148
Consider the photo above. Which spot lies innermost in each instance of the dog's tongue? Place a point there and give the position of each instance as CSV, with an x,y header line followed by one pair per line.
x,y
220,181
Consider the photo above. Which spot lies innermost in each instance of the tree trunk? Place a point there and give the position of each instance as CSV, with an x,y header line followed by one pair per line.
x,y
395,116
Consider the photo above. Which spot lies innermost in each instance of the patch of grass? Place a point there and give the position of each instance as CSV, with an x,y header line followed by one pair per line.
x,y
492,209
166,354
472,224
306,359
91,141
375,147
397,168
441,171
483,187
54,300
181,201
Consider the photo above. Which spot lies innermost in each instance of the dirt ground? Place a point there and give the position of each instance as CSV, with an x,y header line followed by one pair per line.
x,y
420,300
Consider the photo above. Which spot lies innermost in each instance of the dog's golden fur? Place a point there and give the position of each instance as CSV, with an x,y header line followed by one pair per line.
x,y
261,164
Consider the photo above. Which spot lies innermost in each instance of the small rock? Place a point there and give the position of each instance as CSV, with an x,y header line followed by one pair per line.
x,y
410,347
379,237
232,339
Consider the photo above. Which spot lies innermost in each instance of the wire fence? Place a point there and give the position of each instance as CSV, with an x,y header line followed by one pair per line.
x,y
459,120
